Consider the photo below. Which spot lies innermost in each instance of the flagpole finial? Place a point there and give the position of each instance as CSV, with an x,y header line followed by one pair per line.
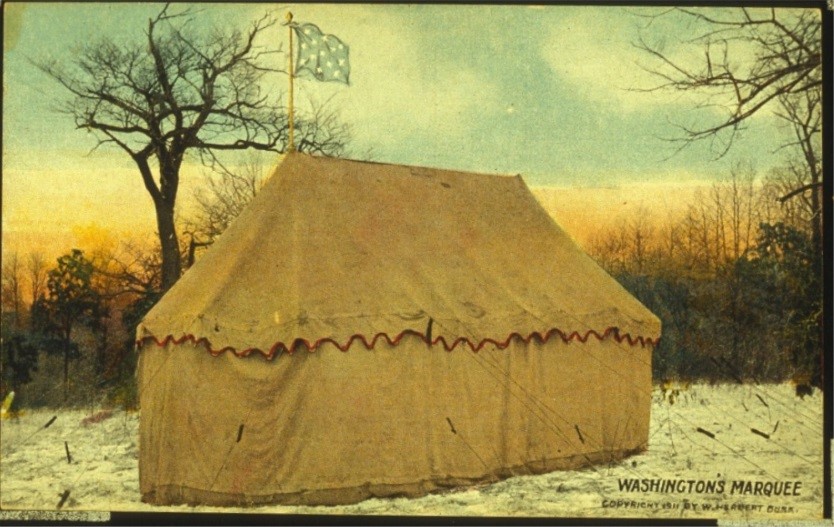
x,y
288,17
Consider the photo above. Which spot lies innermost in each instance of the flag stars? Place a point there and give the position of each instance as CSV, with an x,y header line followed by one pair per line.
x,y
325,57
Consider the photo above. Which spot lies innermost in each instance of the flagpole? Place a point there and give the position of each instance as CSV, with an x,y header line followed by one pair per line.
x,y
291,146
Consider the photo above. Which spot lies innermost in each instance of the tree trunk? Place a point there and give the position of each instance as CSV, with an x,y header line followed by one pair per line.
x,y
169,178
66,363
816,221
171,265
164,197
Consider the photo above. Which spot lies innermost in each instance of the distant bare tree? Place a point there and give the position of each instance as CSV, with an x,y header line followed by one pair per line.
x,y
798,212
629,247
610,249
37,269
670,241
698,235
641,240
221,199
132,270
732,201
12,301
181,91
720,224
717,227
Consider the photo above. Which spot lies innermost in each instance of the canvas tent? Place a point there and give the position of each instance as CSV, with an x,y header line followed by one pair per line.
x,y
365,329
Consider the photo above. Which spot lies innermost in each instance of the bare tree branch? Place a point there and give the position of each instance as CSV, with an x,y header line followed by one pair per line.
x,y
181,90
784,74
786,49
800,190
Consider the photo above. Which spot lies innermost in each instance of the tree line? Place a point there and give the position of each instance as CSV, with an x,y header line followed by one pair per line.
x,y
733,279
68,326
738,280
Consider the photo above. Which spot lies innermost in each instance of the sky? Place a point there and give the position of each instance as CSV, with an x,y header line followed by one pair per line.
x,y
549,92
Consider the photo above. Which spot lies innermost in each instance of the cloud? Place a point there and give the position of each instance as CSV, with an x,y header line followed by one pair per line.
x,y
406,89
593,51
401,86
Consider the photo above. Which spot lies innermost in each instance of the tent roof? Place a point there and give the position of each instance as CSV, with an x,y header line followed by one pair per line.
x,y
338,250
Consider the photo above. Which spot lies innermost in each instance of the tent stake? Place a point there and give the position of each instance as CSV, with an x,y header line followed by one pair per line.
x,y
64,496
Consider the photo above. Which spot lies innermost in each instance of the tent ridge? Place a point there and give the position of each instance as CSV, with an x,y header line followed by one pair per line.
x,y
280,347
390,165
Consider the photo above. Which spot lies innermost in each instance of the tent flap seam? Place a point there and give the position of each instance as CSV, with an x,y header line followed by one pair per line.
x,y
280,347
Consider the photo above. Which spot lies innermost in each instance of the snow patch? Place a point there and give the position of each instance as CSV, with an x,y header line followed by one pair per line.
x,y
706,433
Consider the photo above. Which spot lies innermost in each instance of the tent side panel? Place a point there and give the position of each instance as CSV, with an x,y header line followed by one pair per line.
x,y
333,427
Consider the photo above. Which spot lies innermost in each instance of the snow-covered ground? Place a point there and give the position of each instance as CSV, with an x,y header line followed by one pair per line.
x,y
705,434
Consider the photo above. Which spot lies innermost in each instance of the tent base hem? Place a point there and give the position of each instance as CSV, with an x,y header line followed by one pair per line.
x,y
183,495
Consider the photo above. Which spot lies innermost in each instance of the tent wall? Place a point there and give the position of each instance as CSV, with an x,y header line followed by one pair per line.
x,y
333,427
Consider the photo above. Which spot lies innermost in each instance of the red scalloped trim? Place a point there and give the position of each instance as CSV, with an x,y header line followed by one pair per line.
x,y
281,347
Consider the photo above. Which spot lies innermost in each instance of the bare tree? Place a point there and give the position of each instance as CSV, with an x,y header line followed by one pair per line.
x,y
670,242
37,269
611,249
786,49
631,246
799,211
699,242
11,290
717,227
784,75
221,199
228,189
131,271
733,217
745,217
804,113
641,240
181,91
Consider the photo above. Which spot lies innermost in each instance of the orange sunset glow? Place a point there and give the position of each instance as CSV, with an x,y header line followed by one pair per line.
x,y
101,216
